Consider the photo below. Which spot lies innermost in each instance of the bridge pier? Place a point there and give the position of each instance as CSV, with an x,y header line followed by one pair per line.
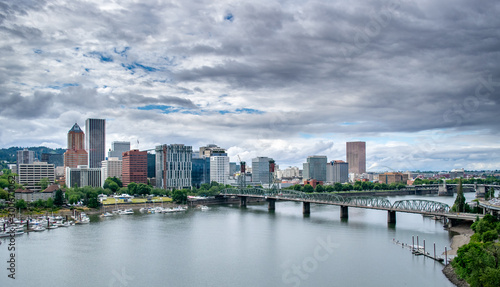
x,y
344,212
480,190
306,208
391,216
271,204
243,201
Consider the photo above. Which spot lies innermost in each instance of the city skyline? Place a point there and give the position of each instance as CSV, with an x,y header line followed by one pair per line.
x,y
422,95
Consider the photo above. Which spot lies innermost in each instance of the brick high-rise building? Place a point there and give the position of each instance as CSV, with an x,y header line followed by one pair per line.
x,y
75,155
356,157
135,167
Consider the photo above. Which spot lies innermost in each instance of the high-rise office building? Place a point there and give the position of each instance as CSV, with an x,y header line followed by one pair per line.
x,y
118,148
356,157
219,169
112,167
315,168
200,173
212,150
83,176
75,155
31,174
151,165
57,159
135,167
173,166
261,169
95,141
337,171
25,156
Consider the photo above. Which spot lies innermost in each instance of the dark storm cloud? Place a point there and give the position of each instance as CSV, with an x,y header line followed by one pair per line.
x,y
314,69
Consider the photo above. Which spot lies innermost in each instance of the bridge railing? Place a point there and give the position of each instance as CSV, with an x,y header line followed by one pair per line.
x,y
361,201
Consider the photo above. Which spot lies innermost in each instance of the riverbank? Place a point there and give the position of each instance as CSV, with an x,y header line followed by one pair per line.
x,y
462,238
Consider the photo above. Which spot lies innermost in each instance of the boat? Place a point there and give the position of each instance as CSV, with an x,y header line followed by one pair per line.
x,y
126,212
38,228
204,208
107,214
9,234
52,226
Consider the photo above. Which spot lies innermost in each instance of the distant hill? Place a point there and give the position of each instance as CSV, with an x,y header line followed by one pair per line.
x,y
10,154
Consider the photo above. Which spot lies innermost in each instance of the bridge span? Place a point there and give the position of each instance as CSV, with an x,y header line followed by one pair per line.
x,y
417,206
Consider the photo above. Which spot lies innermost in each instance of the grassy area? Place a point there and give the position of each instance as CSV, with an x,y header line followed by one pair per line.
x,y
111,200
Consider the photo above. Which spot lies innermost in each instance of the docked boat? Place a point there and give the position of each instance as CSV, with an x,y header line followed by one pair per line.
x,y
38,228
204,208
8,234
107,214
126,212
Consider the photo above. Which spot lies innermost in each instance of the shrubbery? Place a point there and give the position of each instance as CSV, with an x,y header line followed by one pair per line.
x,y
479,261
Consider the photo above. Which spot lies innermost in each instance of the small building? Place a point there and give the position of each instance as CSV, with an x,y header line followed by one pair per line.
x,y
29,196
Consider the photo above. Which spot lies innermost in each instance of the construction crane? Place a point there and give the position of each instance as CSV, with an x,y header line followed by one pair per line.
x,y
242,178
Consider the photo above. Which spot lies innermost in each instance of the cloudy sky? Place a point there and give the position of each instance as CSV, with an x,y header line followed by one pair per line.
x,y
419,81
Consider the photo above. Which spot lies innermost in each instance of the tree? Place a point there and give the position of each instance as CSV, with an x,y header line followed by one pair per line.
x,y
308,188
50,202
338,186
4,183
297,187
179,196
489,194
143,189
111,184
459,205
4,194
320,188
21,204
43,183
59,198
132,187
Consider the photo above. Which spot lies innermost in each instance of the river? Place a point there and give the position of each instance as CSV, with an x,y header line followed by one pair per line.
x,y
232,246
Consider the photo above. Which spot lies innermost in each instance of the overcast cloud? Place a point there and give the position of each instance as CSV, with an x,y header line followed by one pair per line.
x,y
419,81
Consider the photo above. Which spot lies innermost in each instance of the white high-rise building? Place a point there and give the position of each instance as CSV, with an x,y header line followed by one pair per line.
x,y
112,167
31,174
219,169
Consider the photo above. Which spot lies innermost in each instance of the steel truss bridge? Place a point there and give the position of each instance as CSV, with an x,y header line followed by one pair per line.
x,y
424,207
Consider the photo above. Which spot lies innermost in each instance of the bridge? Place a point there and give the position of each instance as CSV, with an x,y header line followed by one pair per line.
x,y
447,189
418,206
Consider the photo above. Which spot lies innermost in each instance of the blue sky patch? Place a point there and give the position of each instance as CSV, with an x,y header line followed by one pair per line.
x,y
249,111
37,51
102,57
58,86
229,17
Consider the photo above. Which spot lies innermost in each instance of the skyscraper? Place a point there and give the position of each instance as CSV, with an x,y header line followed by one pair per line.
x,y
261,171
173,166
25,156
337,171
135,167
200,172
315,168
75,155
95,141
118,148
356,157
219,169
